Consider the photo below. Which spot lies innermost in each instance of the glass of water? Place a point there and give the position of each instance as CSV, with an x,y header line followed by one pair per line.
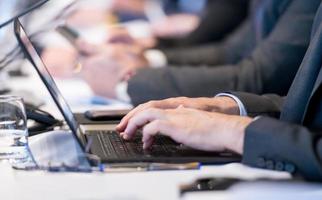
x,y
13,130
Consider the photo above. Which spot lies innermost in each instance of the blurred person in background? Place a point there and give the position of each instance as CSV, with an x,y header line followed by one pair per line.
x,y
267,48
219,18
162,14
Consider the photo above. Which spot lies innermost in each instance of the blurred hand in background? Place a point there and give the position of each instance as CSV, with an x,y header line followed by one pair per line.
x,y
104,66
174,26
60,61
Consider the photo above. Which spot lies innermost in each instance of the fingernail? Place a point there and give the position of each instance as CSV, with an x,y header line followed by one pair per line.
x,y
125,136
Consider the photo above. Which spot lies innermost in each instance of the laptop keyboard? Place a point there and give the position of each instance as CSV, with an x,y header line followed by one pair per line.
x,y
114,146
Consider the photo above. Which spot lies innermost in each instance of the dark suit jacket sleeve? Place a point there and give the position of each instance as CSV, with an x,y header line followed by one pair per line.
x,y
274,144
227,51
219,18
270,69
261,105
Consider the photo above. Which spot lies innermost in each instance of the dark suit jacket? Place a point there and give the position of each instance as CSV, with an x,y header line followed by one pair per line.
x,y
263,16
269,69
219,18
294,142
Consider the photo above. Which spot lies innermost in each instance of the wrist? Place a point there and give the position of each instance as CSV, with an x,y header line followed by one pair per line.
x,y
237,132
225,105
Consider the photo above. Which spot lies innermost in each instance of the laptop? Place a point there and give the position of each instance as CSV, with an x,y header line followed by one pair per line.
x,y
103,141
13,9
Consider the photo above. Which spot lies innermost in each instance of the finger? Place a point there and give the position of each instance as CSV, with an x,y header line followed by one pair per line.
x,y
151,104
89,62
154,128
124,121
140,120
86,48
121,38
148,143
163,104
122,125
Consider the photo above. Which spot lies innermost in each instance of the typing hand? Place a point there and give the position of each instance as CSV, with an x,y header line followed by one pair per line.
x,y
218,104
197,129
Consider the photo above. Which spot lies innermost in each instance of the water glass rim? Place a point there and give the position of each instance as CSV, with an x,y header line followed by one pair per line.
x,y
6,98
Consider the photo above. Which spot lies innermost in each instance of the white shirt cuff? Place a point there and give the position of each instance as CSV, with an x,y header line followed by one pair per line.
x,y
156,58
121,92
242,109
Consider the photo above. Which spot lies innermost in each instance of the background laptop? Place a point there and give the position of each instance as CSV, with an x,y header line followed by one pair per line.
x,y
103,140
11,9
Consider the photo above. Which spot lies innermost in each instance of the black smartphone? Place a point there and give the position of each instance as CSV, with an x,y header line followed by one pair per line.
x,y
209,184
105,115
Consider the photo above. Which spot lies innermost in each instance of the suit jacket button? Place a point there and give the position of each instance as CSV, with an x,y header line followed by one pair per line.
x,y
260,162
279,166
290,168
269,164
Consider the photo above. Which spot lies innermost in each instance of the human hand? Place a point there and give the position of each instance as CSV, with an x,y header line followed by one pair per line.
x,y
102,74
194,128
177,25
126,54
119,35
122,35
103,67
61,62
217,104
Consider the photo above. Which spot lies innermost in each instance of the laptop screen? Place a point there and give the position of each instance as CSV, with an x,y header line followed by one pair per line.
x,y
11,9
45,76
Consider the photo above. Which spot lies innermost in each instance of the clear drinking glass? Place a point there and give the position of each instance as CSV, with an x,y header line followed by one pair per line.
x,y
13,130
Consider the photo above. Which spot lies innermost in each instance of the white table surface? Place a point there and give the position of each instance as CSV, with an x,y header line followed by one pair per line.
x,y
138,185
132,185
